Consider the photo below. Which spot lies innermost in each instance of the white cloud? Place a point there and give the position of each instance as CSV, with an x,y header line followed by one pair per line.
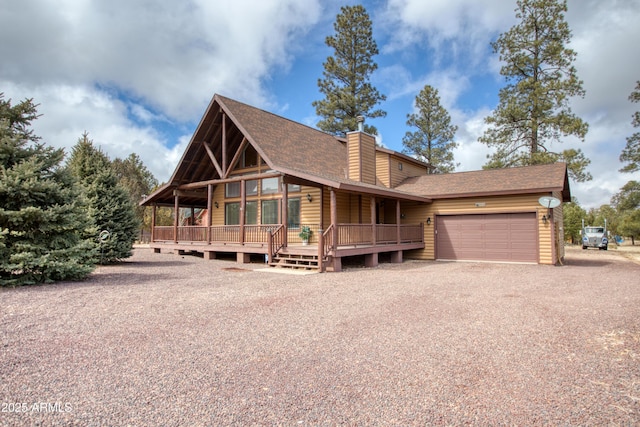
x,y
137,75
604,35
452,28
68,111
117,68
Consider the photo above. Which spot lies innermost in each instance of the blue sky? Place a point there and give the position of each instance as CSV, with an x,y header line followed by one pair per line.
x,y
138,74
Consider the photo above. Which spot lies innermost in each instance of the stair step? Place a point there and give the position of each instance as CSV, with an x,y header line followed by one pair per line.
x,y
307,262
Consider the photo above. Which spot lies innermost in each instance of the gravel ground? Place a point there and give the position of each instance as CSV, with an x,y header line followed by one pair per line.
x,y
176,340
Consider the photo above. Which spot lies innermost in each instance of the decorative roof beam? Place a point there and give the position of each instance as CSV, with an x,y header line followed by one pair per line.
x,y
236,157
213,158
192,194
203,184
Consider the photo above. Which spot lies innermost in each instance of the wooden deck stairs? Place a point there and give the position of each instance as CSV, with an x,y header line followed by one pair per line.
x,y
296,257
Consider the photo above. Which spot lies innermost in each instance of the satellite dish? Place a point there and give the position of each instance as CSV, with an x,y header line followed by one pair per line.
x,y
549,202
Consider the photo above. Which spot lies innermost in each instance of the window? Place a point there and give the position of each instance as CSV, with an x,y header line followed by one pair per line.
x,y
399,166
249,157
251,213
251,187
269,211
293,188
232,189
293,213
269,185
232,213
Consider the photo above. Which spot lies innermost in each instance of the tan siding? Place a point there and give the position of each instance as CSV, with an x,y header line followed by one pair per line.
x,y
408,170
361,150
326,209
524,203
309,211
217,214
382,168
354,151
344,207
558,217
368,159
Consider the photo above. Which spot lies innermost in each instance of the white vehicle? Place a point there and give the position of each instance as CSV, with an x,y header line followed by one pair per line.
x,y
595,237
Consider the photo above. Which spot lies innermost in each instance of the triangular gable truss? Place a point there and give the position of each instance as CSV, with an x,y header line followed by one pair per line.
x,y
214,149
221,136
217,139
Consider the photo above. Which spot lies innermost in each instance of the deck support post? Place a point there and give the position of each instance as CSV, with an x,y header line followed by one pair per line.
x,y
371,260
209,255
176,212
372,204
153,222
285,212
398,214
243,258
334,218
337,264
243,206
396,257
320,251
209,213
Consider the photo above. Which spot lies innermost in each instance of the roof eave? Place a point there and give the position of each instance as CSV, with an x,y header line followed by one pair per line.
x,y
380,191
496,193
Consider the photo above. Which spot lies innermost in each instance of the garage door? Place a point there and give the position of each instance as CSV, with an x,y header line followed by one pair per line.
x,y
497,237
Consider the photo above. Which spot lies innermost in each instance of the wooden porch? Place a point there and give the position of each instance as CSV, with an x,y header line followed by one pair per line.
x,y
282,246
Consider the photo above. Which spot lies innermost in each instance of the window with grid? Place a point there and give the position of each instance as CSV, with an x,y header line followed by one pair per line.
x,y
269,212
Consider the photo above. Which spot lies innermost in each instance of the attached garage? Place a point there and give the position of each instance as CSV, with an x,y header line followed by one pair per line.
x,y
508,237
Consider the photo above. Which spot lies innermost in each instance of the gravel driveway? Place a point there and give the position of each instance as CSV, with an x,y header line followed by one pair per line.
x,y
170,340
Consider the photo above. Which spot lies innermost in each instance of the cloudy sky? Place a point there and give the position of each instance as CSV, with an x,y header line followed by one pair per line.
x,y
138,74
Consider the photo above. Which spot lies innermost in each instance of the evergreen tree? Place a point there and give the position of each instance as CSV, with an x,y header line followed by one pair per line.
x,y
138,181
433,141
627,203
534,110
109,202
42,216
631,152
112,210
348,93
573,215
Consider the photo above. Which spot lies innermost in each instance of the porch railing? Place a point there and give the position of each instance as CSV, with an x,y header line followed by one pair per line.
x,y
275,240
347,234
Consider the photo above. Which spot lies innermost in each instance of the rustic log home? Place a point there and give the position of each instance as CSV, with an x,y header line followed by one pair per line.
x,y
254,183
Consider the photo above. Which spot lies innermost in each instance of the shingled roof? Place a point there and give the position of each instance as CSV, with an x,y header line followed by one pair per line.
x,y
286,146
493,182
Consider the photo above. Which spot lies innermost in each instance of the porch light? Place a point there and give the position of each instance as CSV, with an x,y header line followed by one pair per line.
x,y
309,198
429,221
216,204
544,219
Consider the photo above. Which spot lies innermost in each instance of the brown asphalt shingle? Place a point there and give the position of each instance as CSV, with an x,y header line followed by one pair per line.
x,y
528,179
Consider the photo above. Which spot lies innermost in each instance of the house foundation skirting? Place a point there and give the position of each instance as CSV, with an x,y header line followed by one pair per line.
x,y
334,262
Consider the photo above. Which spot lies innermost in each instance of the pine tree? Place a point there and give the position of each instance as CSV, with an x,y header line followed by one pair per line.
x,y
627,203
348,92
43,223
631,152
573,215
112,210
110,206
533,111
138,181
433,141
